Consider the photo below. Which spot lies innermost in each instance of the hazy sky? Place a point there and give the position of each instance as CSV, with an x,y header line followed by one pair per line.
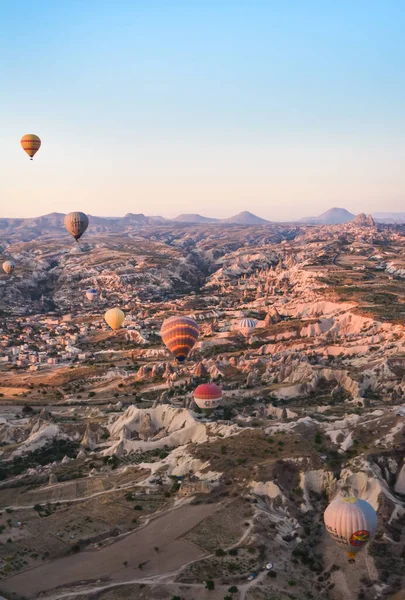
x,y
280,107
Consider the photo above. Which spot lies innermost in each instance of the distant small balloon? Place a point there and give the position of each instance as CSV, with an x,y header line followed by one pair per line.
x,y
76,223
91,295
30,143
8,266
114,318
247,327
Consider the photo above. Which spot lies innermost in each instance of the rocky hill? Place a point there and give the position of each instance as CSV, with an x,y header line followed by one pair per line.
x,y
333,216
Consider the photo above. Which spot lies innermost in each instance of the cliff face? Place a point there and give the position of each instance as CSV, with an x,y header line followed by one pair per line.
x,y
363,220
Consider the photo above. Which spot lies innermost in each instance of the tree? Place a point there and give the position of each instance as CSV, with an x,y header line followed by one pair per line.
x,y
233,589
209,585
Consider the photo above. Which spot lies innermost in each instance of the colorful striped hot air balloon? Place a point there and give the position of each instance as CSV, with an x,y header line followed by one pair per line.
x,y
114,318
30,143
91,295
9,266
179,334
351,522
247,327
207,396
76,223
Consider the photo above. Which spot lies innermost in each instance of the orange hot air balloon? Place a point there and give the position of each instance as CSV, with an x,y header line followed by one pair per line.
x,y
207,396
30,143
114,318
9,266
179,334
76,223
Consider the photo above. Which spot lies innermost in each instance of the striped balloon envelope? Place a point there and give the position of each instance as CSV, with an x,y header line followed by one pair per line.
x,y
179,335
207,396
30,143
76,223
247,327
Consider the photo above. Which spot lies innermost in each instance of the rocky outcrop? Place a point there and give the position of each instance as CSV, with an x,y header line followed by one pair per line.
x,y
272,317
89,439
200,370
146,428
364,221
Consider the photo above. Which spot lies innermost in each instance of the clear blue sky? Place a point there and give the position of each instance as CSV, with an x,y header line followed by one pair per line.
x,y
280,107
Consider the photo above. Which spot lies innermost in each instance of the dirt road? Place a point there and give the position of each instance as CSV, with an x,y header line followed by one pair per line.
x,y
108,563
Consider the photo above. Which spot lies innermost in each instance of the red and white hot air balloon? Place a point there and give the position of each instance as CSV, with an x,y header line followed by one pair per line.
x,y
207,396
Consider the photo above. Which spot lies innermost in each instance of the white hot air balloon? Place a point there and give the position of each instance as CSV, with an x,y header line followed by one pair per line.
x,y
247,327
351,522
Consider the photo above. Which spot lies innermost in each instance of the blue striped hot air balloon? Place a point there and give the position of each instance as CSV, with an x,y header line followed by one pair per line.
x,y
247,327
179,334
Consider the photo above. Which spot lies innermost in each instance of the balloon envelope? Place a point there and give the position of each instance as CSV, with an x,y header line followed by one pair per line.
x,y
207,396
30,144
351,522
247,326
114,318
76,223
179,334
8,266
91,295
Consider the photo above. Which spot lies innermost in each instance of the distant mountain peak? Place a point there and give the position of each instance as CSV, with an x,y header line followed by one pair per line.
x,y
246,218
194,218
333,216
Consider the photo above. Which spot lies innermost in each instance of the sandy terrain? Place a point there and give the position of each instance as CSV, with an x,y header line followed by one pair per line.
x,y
107,563
10,391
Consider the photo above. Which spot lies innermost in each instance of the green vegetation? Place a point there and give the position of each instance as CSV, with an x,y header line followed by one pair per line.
x,y
42,456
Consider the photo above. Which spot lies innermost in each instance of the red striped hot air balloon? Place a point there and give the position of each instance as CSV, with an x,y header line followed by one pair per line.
x,y
179,334
207,396
30,143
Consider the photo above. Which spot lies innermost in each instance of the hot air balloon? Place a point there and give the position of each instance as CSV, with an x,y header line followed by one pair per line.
x,y
207,396
30,144
76,223
91,295
351,522
8,266
114,318
247,327
179,334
